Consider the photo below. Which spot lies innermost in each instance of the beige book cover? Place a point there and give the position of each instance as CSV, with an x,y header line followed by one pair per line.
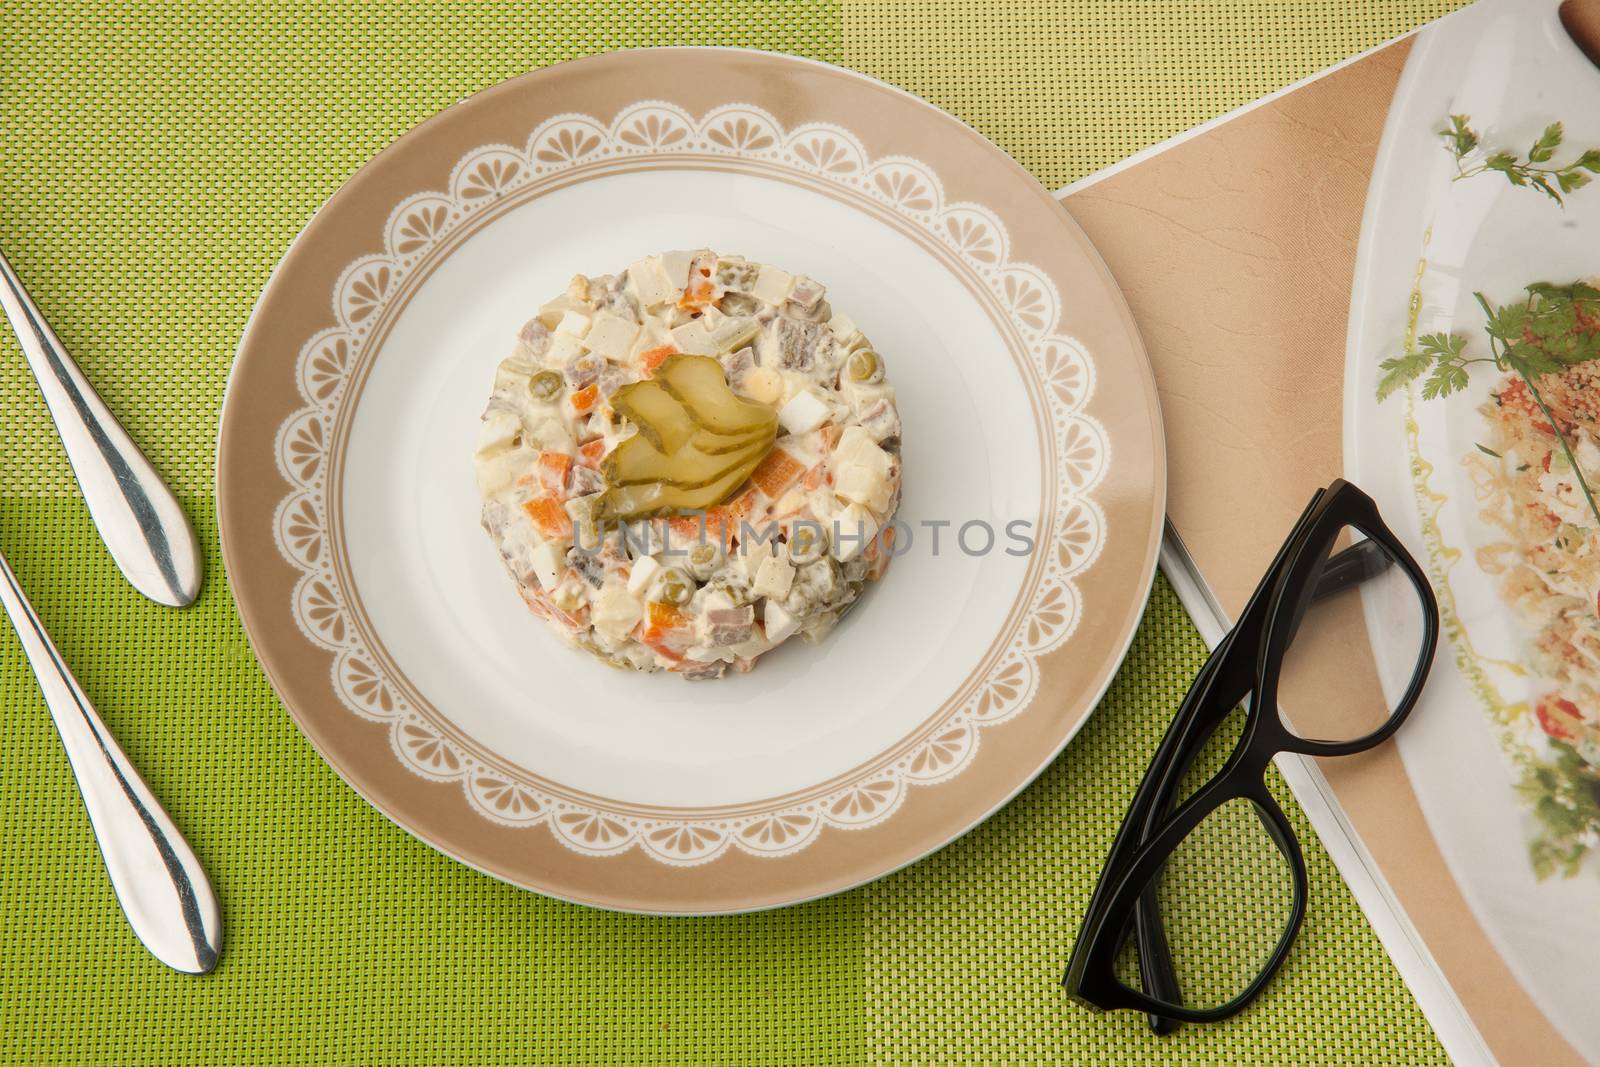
x,y
1273,261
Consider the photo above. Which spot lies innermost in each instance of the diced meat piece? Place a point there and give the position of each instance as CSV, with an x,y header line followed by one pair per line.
x,y
806,292
611,379
705,671
586,480
587,566
609,294
881,421
793,344
535,337
738,364
583,371
730,626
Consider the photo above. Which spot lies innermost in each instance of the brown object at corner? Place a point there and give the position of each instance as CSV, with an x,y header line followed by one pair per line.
x,y
1581,20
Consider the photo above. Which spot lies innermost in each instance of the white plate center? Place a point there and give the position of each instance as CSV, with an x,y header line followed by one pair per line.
x,y
450,618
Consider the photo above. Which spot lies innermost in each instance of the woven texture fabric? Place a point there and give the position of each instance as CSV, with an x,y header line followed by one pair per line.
x,y
155,161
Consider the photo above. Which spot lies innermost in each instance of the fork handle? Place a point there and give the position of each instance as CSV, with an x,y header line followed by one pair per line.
x,y
160,884
139,519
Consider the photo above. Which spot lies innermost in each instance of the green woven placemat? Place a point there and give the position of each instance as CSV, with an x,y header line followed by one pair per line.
x,y
155,161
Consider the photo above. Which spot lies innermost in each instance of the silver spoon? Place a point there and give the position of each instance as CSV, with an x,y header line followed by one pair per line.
x,y
159,883
139,519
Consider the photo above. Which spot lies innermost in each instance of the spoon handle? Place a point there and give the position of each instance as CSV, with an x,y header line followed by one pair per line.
x,y
159,883
139,519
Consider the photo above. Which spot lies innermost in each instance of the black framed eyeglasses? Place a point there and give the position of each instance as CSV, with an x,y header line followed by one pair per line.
x,y
1205,888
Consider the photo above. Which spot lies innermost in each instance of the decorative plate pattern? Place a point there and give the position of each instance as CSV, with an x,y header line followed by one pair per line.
x,y
1064,376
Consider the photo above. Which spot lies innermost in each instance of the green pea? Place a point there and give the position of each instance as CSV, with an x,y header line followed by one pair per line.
x,y
674,587
704,559
546,385
864,366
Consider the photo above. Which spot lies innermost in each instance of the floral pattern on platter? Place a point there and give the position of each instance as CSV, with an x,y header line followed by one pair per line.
x,y
1063,379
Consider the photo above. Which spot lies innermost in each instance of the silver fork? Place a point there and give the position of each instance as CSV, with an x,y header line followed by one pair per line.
x,y
139,519
160,884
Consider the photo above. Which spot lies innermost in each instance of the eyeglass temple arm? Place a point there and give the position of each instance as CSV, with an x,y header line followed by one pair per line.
x,y
1345,570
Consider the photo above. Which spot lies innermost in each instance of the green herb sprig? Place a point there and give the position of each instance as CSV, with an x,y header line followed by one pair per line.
x,y
1463,143
1555,327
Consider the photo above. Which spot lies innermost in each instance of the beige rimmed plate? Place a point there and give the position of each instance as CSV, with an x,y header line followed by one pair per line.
x,y
379,610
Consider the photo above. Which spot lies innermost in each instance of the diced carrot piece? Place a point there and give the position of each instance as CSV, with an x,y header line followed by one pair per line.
x,y
554,469
815,477
651,358
697,295
724,519
776,472
662,628
584,399
660,617
549,517
686,527
593,451
740,506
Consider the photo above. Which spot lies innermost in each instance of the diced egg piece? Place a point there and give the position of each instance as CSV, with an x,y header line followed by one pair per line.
x,y
854,529
650,283
693,338
804,412
549,563
645,568
614,610
764,385
676,266
772,285
498,432
564,348
753,554
773,578
497,472
573,322
861,470
844,328
513,376
779,624
611,335
552,313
